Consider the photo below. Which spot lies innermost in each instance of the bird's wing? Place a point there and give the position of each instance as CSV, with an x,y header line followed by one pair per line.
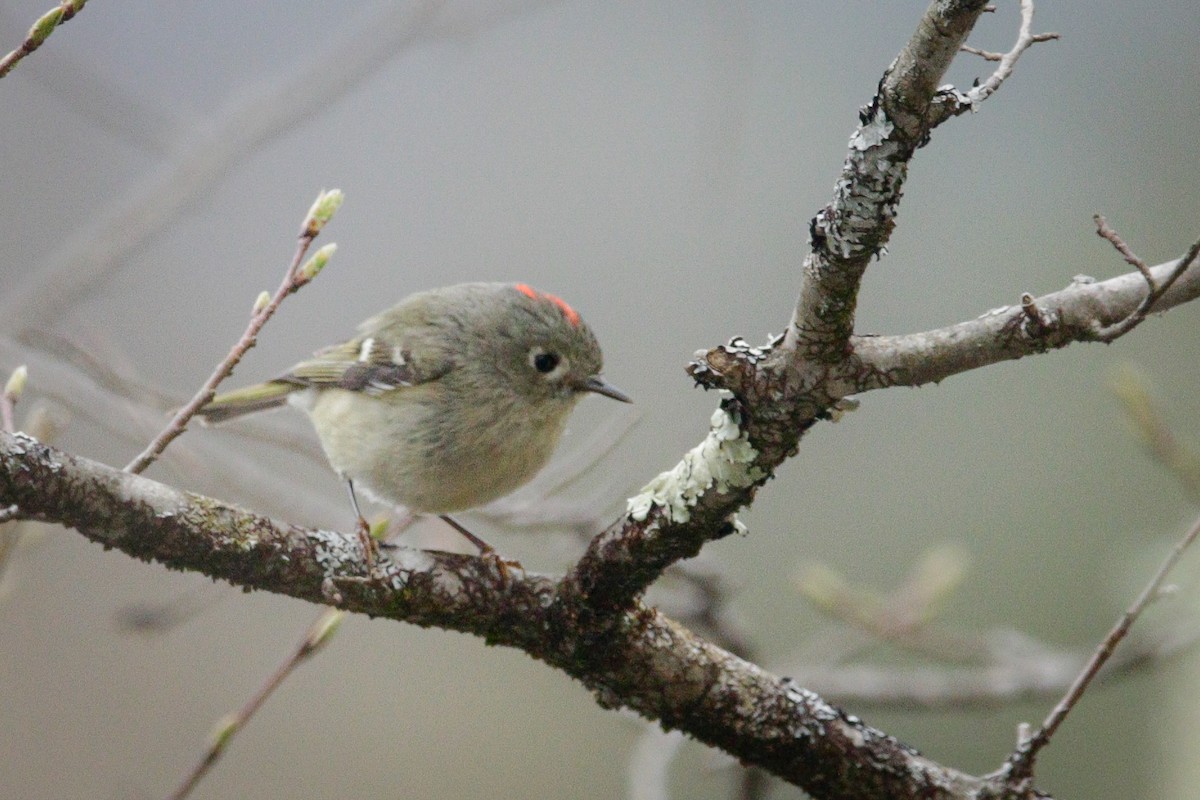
x,y
368,364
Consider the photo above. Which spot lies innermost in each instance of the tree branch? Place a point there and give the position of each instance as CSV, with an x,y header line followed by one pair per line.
x,y
1074,314
855,226
647,662
782,390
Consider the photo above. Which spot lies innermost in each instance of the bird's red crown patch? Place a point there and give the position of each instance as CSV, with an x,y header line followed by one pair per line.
x,y
571,314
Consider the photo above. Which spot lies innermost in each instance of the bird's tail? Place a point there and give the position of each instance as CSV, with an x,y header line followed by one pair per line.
x,y
259,397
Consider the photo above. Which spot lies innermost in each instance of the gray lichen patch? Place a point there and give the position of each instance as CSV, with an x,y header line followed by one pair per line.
x,y
724,460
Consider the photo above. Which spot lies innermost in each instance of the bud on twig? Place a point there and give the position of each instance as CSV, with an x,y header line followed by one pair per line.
x,y
323,629
261,302
316,263
16,384
223,731
323,209
822,586
46,23
42,29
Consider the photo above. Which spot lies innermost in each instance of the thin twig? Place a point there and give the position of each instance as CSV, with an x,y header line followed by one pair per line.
x,y
84,259
317,635
1019,670
293,279
986,55
41,31
1105,231
903,618
1155,288
1020,763
298,274
1026,38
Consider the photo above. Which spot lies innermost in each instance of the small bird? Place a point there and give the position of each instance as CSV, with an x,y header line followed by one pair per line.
x,y
444,402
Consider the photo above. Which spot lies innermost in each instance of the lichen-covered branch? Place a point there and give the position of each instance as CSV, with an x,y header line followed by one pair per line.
x,y
646,662
857,223
782,390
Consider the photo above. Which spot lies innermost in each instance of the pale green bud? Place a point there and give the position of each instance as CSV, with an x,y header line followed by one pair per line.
x,y
379,527
16,383
822,586
316,262
223,731
323,209
323,629
261,302
936,578
45,25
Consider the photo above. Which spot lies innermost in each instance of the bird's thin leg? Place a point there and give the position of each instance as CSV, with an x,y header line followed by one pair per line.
x,y
363,528
485,549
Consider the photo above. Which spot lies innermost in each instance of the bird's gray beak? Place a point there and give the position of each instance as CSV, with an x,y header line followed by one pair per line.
x,y
596,384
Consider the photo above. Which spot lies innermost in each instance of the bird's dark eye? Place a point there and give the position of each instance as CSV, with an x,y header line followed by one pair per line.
x,y
544,362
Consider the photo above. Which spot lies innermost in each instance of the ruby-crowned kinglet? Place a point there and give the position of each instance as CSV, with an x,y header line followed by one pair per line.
x,y
446,401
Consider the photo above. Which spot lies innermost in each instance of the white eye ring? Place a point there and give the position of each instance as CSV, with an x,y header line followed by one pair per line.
x,y
547,363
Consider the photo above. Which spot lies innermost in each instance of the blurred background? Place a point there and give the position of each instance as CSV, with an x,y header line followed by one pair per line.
x,y
655,163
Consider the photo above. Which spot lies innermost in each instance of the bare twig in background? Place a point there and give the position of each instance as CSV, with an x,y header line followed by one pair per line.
x,y
298,275
89,256
41,31
903,617
322,628
1018,669
1018,770
103,104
